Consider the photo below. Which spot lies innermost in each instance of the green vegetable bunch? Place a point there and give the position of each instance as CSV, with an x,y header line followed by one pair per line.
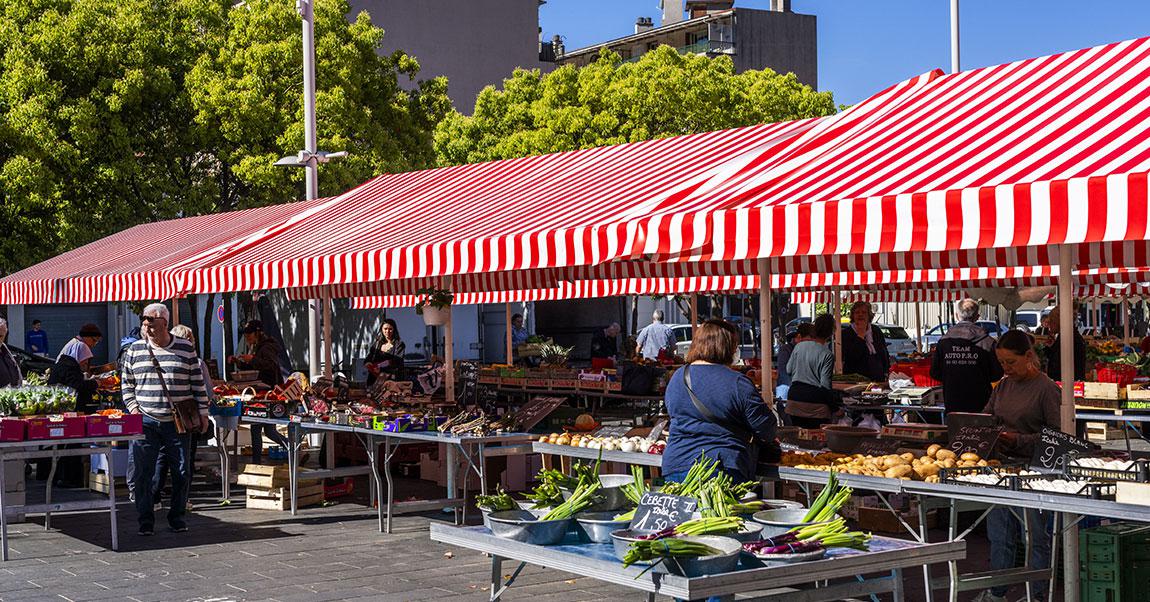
x,y
36,400
499,502
583,497
827,504
669,547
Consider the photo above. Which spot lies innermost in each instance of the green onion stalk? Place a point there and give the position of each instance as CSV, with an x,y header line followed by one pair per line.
x,y
665,548
582,498
829,501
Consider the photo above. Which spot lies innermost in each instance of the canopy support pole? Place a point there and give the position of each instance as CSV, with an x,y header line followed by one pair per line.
x,y
449,354
955,63
175,311
694,313
1066,350
1125,316
766,333
836,312
510,352
918,325
326,300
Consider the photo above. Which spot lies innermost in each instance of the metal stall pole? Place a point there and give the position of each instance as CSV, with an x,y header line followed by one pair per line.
x,y
327,367
1066,345
449,354
1125,315
694,314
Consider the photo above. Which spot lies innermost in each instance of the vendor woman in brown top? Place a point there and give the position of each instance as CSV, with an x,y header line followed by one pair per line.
x,y
1024,401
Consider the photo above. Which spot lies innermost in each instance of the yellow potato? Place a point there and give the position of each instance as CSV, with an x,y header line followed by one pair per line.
x,y
945,454
983,463
970,457
948,463
933,449
898,472
907,456
926,470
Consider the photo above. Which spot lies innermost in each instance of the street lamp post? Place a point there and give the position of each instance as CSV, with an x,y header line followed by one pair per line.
x,y
309,159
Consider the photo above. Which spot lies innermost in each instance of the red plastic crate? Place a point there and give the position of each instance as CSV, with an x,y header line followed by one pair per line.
x,y
1121,374
12,429
105,426
58,427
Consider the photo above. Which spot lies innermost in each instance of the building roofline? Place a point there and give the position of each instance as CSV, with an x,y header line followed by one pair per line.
x,y
650,32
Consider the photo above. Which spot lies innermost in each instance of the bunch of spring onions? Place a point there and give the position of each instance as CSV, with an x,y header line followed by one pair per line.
x,y
827,504
665,548
635,490
700,526
720,497
810,539
583,496
702,471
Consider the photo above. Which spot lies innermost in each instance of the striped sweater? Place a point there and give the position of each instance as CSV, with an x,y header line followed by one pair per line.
x,y
141,387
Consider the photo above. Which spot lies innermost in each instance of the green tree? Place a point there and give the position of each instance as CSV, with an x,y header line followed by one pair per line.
x,y
611,102
117,113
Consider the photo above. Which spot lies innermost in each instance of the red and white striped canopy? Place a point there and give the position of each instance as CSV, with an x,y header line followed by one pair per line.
x,y
133,265
1038,152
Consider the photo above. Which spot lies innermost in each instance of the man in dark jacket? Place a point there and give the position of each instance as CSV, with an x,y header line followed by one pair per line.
x,y
264,356
1054,352
965,363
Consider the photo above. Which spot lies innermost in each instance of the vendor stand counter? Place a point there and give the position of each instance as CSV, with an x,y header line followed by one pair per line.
x,y
641,407
31,450
586,453
1131,419
843,574
475,451
1069,509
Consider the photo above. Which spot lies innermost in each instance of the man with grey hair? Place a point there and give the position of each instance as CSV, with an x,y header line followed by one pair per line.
x,y
965,363
158,372
656,337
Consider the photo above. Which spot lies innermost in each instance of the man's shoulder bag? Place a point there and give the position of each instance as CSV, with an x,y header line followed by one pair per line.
x,y
186,412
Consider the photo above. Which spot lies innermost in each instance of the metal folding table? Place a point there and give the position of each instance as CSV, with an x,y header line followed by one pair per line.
x,y
843,574
30,450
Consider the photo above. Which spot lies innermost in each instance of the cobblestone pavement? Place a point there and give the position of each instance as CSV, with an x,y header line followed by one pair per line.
x,y
235,554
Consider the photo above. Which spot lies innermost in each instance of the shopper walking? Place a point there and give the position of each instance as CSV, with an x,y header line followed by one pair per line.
x,y
965,362
264,357
656,338
161,373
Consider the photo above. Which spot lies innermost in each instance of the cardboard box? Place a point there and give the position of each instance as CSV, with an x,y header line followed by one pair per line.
x,y
105,426
12,429
58,427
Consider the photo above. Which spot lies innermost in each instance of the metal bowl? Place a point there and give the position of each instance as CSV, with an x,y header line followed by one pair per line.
x,y
777,504
525,526
527,505
726,561
777,522
787,558
597,526
611,492
750,532
622,539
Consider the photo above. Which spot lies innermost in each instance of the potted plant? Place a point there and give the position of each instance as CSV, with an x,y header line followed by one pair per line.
x,y
434,306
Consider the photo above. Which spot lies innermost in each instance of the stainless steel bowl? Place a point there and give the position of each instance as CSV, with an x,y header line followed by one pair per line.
x,y
526,505
777,522
611,492
777,504
597,526
622,540
525,526
760,560
751,531
725,561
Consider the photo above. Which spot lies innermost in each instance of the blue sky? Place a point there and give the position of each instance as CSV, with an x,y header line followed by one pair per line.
x,y
865,46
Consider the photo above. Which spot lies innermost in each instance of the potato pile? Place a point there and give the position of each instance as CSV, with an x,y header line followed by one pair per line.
x,y
808,459
903,466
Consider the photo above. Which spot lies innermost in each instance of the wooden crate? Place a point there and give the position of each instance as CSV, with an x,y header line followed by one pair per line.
x,y
1093,390
1104,431
269,476
1138,392
280,497
98,481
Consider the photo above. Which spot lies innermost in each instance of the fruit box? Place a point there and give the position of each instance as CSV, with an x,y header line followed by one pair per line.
x,y
12,429
103,426
57,427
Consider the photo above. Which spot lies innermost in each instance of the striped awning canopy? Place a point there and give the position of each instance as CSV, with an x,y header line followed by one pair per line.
x,y
1043,151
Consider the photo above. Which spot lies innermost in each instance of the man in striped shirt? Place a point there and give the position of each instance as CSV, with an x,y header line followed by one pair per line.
x,y
157,362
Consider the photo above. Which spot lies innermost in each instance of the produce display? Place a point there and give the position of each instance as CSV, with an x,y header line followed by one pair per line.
x,y
583,497
499,502
810,539
670,547
828,502
478,423
36,400
906,466
1035,481
624,444
700,526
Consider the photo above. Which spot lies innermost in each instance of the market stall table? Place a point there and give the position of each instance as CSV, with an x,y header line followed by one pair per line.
x,y
586,453
30,450
474,449
810,581
1128,418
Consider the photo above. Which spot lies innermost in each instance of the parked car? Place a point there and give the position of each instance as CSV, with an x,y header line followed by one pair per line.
x,y
899,344
932,336
30,363
747,348
1031,319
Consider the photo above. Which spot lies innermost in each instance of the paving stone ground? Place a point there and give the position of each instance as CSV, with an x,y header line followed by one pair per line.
x,y
235,554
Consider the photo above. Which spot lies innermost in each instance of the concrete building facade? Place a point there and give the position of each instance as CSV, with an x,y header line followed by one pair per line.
x,y
474,43
778,39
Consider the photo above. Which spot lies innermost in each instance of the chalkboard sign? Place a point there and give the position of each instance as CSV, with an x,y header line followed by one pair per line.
x,y
975,438
657,430
658,511
613,431
874,446
968,432
537,409
1052,446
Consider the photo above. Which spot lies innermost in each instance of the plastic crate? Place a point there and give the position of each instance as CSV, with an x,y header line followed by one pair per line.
x,y
1121,374
1139,470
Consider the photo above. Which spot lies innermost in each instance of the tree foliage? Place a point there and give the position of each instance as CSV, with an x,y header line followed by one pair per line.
x,y
117,113
611,101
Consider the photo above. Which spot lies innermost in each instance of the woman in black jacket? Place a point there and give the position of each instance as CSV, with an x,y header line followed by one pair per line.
x,y
864,346
10,375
